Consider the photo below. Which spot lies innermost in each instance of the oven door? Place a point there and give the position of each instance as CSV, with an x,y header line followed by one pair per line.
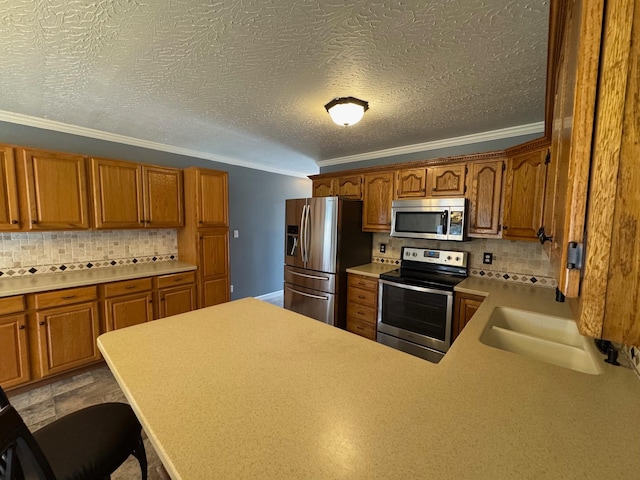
x,y
416,314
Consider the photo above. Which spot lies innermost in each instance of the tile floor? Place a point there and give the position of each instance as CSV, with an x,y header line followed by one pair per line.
x,y
44,404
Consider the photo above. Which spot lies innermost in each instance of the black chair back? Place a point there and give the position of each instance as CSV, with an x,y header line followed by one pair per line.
x,y
15,438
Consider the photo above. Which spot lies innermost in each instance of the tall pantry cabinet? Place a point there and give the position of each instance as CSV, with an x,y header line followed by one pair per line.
x,y
204,240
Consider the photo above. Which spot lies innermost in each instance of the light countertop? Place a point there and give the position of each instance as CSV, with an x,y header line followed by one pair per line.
x,y
373,269
79,278
249,390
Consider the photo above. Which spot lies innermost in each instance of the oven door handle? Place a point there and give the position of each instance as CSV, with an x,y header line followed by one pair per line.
x,y
415,288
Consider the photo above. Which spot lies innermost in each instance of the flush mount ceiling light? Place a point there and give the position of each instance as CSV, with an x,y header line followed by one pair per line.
x,y
346,111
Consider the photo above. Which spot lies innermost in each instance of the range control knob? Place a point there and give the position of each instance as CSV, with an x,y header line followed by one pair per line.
x,y
457,259
414,254
449,257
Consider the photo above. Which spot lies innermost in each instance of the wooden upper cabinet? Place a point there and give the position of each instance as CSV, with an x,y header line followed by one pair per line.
x,y
446,180
325,187
524,195
377,198
117,194
484,195
411,183
350,187
9,212
131,195
53,193
164,197
211,192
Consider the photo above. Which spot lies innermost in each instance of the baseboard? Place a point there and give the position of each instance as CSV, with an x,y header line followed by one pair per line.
x,y
270,296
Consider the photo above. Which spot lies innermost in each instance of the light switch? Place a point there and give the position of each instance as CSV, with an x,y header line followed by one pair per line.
x,y
235,234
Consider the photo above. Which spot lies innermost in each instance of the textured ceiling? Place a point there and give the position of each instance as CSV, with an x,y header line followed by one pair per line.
x,y
248,79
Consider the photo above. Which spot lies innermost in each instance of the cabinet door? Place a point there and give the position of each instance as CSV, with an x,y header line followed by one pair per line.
x,y
9,219
446,180
66,337
325,187
54,193
411,183
377,197
214,267
524,195
163,197
122,312
350,187
484,198
465,306
117,194
175,300
214,291
14,356
212,198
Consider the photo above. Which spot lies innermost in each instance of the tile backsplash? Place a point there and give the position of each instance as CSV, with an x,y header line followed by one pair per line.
x,y
521,262
49,252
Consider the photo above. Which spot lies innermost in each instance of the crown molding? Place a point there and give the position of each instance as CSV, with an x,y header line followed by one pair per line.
x,y
510,132
36,122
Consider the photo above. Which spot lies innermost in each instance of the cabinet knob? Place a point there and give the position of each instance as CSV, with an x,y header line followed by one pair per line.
x,y
21,327
434,189
504,227
34,221
14,221
41,323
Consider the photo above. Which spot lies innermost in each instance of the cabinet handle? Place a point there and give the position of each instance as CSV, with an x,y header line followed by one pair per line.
x,y
68,297
359,327
14,222
179,279
360,313
21,327
361,297
130,287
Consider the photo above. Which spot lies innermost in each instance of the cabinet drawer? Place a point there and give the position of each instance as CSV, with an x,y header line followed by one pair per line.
x,y
12,305
176,279
69,296
364,329
127,286
366,314
362,297
359,281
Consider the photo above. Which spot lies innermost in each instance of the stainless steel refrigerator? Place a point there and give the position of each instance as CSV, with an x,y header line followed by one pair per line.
x,y
323,238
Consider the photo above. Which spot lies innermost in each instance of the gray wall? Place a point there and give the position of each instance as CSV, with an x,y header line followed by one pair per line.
x,y
256,201
472,148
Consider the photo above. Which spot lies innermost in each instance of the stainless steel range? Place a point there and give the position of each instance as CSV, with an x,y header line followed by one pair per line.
x,y
415,302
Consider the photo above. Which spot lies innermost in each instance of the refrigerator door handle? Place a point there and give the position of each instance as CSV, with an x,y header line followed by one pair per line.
x,y
313,277
306,234
318,297
302,224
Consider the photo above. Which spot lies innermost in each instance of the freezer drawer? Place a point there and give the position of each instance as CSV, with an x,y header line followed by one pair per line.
x,y
309,302
323,281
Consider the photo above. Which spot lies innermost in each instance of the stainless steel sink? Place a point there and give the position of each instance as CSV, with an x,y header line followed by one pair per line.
x,y
550,339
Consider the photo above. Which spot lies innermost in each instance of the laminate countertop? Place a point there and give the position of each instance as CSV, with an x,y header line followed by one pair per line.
x,y
249,390
56,281
373,269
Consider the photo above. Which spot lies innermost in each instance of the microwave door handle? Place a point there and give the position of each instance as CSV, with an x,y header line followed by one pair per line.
x,y
445,222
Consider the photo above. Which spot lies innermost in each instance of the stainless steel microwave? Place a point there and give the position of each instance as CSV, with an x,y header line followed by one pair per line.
x,y
431,218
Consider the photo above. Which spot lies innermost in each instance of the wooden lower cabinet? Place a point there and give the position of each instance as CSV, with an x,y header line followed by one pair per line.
x,y
176,294
63,325
214,267
14,354
127,303
464,307
362,305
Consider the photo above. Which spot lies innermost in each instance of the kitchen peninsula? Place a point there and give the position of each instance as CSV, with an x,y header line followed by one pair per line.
x,y
249,390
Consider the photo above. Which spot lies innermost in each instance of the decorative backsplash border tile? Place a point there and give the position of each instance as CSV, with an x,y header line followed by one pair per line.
x,y
51,252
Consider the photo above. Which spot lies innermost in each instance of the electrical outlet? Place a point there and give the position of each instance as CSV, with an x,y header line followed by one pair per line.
x,y
383,247
487,258
231,288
